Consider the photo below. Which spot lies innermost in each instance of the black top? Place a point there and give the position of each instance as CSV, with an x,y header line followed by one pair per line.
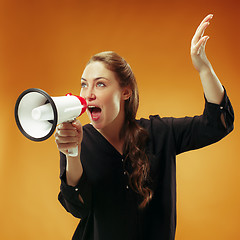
x,y
110,210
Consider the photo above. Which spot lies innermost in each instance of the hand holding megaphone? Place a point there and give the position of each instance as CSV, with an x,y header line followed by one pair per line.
x,y
37,114
68,135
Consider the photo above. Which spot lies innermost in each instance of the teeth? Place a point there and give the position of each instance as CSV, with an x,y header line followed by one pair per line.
x,y
91,106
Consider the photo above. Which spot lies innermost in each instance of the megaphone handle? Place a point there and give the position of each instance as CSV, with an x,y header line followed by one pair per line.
x,y
73,152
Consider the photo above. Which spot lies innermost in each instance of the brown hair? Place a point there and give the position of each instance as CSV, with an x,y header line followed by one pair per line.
x,y
135,137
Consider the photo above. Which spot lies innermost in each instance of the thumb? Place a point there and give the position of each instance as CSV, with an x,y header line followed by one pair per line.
x,y
205,41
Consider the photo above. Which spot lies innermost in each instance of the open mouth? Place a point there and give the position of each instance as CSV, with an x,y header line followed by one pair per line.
x,y
95,112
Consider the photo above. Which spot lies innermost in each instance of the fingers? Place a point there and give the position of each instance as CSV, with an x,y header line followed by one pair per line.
x,y
201,29
77,125
199,45
205,39
199,41
66,139
206,19
68,135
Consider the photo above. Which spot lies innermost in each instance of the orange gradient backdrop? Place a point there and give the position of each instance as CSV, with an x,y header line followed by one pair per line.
x,y
45,44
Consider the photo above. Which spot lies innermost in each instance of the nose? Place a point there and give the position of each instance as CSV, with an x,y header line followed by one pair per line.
x,y
89,94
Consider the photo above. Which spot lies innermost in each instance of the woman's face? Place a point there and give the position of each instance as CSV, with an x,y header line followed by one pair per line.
x,y
105,98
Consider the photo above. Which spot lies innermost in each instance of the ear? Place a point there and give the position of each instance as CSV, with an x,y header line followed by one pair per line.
x,y
126,93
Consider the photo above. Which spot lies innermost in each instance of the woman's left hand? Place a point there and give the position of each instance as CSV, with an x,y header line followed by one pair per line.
x,y
198,43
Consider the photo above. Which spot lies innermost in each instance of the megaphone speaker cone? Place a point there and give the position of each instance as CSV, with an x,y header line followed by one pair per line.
x,y
33,128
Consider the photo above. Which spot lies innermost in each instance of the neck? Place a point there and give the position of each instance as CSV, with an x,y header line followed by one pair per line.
x,y
112,133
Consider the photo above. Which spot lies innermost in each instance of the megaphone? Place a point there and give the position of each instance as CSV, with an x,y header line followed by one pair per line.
x,y
37,114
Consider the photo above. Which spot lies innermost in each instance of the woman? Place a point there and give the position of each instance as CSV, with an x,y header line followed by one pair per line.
x,y
122,184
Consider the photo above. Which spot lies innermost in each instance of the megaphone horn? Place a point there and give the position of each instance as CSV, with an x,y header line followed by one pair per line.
x,y
37,114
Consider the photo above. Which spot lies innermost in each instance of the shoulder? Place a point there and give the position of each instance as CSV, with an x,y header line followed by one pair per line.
x,y
155,122
90,136
87,127
89,131
160,129
160,134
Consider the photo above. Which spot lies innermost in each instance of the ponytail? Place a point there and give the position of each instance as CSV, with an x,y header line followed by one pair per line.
x,y
135,143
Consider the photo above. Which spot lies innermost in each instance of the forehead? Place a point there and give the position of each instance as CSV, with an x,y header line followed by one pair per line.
x,y
97,69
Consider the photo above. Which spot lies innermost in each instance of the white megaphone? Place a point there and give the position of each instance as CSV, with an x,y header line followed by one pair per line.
x,y
37,114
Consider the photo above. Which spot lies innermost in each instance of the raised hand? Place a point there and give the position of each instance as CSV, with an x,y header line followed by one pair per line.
x,y
198,43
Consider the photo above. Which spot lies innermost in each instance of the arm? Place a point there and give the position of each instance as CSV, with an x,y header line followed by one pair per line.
x,y
69,135
75,190
75,199
212,87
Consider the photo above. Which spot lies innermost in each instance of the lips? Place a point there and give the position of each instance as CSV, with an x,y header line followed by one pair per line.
x,y
95,112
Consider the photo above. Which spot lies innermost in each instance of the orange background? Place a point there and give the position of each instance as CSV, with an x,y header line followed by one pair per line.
x,y
45,44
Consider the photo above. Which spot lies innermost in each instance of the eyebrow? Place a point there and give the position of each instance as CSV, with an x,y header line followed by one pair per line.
x,y
95,79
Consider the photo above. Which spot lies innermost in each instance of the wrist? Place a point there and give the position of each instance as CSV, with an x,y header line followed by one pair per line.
x,y
206,70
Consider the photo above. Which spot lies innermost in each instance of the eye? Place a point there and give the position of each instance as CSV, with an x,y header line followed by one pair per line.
x,y
100,84
83,85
